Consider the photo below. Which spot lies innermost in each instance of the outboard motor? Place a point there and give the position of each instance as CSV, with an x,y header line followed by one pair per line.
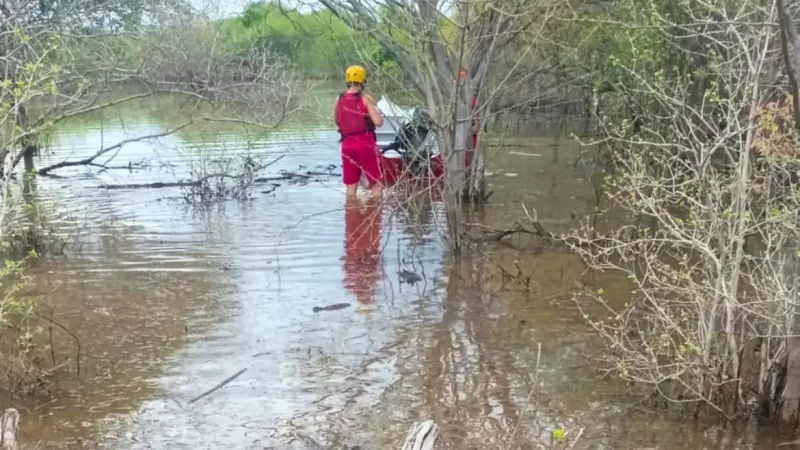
x,y
409,142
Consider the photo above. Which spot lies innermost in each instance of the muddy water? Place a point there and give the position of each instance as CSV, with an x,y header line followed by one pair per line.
x,y
166,301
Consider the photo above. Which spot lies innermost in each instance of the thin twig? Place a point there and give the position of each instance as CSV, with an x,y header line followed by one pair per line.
x,y
218,386
73,335
574,442
530,396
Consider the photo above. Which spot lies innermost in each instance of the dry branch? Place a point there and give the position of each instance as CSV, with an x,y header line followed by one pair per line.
x,y
90,160
219,386
497,234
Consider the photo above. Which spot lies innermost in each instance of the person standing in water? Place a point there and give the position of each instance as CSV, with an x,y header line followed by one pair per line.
x,y
356,117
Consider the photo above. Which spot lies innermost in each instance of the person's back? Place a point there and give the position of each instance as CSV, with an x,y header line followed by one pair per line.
x,y
355,126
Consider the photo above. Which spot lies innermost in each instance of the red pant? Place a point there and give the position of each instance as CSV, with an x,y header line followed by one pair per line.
x,y
356,160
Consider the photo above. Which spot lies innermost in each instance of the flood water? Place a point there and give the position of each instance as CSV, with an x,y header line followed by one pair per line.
x,y
167,300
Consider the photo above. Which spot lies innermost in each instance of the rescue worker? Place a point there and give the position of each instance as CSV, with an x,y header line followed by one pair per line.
x,y
357,116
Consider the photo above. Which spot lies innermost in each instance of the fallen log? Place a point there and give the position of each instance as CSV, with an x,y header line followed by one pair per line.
x,y
157,185
296,176
9,422
309,176
161,184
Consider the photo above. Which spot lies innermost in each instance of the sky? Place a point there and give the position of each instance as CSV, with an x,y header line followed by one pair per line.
x,y
228,8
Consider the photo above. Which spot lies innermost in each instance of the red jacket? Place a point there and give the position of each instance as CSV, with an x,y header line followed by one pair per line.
x,y
353,121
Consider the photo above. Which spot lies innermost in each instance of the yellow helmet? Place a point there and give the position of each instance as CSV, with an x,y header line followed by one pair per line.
x,y
355,74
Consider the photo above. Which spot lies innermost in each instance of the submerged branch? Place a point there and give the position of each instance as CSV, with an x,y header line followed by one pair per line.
x,y
71,334
90,160
497,234
195,183
538,230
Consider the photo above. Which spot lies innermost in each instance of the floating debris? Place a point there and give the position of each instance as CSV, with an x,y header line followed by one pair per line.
x,y
331,307
409,277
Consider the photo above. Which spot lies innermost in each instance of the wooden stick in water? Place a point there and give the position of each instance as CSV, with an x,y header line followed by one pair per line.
x,y
215,388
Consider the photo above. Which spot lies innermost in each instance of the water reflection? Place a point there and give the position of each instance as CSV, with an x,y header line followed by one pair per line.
x,y
363,220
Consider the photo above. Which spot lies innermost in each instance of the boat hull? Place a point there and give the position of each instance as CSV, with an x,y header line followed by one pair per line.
x,y
396,170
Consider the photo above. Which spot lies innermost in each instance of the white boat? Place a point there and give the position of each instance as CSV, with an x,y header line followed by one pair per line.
x,y
394,117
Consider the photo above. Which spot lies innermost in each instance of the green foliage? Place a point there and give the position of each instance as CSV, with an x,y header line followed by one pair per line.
x,y
20,356
636,46
318,43
12,280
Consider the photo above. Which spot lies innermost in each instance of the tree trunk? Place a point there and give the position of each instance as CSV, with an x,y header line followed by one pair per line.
x,y
454,182
477,168
790,46
454,147
29,150
27,143
27,158
790,398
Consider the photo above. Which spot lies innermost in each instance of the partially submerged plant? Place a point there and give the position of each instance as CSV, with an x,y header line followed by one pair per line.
x,y
712,250
21,356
